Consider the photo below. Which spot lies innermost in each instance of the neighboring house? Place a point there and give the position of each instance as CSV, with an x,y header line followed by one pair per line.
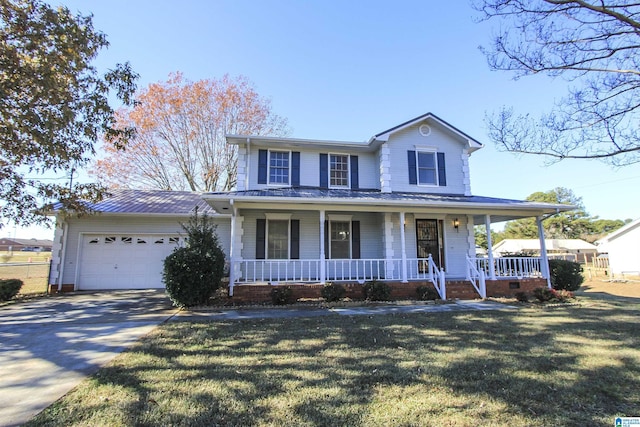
x,y
573,249
397,207
27,245
623,249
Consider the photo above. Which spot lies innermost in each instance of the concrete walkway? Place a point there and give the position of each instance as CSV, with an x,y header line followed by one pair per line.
x,y
291,312
49,345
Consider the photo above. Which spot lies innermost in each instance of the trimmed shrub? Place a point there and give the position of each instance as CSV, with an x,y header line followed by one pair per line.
x,y
522,296
562,295
543,294
193,273
565,275
427,293
281,295
376,291
9,288
333,292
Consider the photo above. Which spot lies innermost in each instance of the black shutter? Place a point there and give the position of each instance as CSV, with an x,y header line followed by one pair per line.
x,y
413,173
355,239
442,172
262,166
295,239
295,169
326,239
354,173
261,228
324,171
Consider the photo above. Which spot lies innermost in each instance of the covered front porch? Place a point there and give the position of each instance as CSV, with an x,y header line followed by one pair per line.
x,y
312,271
313,237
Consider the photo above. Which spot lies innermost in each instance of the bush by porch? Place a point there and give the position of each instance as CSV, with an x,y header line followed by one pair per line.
x,y
261,293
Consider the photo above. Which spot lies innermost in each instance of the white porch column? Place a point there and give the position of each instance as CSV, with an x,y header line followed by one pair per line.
x,y
389,255
323,263
492,270
544,260
404,249
232,250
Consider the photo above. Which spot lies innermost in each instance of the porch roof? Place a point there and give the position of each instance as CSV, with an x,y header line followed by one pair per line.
x,y
312,198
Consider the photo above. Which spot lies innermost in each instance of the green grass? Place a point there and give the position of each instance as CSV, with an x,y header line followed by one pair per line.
x,y
575,365
34,276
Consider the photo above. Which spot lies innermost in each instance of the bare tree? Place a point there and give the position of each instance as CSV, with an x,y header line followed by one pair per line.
x,y
180,134
593,44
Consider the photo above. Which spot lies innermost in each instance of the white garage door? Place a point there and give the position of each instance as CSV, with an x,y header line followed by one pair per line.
x,y
124,261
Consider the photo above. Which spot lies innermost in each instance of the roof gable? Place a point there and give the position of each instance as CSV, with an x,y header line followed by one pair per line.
x,y
619,232
371,145
472,143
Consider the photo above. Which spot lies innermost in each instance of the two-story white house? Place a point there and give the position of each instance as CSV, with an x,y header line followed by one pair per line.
x,y
397,207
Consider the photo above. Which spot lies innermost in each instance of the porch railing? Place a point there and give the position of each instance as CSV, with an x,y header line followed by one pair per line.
x,y
308,270
517,267
436,276
477,277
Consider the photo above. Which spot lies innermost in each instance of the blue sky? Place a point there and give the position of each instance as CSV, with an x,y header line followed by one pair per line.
x,y
346,70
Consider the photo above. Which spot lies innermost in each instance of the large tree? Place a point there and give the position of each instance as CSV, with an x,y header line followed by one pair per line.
x,y
53,106
593,44
565,225
180,140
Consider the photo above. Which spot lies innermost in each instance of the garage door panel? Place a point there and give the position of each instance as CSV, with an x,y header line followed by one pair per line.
x,y
124,261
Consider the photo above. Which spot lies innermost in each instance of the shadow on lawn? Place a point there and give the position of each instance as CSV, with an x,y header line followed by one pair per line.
x,y
338,370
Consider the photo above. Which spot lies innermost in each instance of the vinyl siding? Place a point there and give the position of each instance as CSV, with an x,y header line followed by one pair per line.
x,y
134,225
370,235
368,168
408,139
623,252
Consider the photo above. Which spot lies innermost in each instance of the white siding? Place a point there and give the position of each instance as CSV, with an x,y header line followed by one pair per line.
x,y
130,224
370,233
368,168
407,139
624,252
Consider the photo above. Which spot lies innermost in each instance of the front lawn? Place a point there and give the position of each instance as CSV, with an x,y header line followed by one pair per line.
x,y
572,365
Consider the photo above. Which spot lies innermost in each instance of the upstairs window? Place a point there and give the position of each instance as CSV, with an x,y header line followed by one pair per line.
x,y
427,167
279,167
427,170
338,170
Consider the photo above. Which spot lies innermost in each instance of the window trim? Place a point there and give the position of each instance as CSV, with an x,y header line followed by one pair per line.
x,y
341,218
277,217
434,153
348,156
288,152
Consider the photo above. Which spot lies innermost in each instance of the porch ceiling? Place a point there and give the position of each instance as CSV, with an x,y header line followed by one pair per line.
x,y
377,201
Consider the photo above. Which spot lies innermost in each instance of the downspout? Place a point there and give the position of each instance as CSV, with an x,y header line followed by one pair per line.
x,y
63,257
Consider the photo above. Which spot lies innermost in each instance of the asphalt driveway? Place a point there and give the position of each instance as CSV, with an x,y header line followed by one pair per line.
x,y
49,345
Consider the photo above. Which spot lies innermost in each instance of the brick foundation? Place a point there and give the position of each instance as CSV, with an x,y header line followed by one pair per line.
x,y
259,294
66,287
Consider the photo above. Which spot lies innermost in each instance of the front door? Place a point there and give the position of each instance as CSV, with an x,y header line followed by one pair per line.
x,y
429,240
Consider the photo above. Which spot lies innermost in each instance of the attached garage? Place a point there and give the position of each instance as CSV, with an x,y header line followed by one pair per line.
x,y
124,244
123,261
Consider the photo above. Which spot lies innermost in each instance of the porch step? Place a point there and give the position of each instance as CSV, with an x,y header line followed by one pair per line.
x,y
461,289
